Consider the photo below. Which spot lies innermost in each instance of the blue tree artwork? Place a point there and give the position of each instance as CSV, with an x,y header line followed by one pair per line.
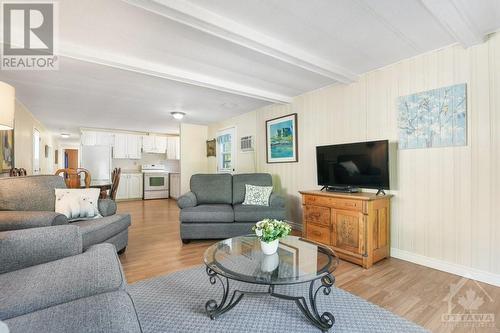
x,y
434,118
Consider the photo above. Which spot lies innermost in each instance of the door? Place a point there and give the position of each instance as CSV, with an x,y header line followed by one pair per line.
x,y
135,186
36,152
226,150
120,146
71,158
348,230
155,181
122,192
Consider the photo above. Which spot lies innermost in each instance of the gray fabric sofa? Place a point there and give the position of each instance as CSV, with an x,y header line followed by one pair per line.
x,y
213,208
29,202
48,284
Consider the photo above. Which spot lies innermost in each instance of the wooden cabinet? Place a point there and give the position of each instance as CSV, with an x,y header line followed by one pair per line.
x,y
173,148
175,185
154,144
127,146
130,186
355,225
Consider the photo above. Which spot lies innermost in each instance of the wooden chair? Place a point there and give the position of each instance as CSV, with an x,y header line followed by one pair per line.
x,y
115,179
72,177
17,172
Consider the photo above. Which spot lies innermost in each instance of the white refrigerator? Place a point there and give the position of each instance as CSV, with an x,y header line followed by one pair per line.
x,y
97,159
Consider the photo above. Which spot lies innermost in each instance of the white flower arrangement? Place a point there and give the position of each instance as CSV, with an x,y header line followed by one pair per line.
x,y
269,230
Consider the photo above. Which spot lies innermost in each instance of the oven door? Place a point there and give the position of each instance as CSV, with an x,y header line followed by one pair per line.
x,y
155,182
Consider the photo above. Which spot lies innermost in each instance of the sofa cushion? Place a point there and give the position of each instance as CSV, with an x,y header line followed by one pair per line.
x,y
14,220
247,213
37,287
111,312
212,188
207,213
239,182
29,193
99,230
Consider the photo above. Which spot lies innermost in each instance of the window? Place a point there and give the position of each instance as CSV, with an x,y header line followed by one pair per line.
x,y
36,151
226,150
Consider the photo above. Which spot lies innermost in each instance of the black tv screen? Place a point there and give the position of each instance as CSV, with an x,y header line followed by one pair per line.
x,y
362,164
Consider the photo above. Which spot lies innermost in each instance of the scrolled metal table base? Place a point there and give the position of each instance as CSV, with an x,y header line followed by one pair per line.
x,y
323,321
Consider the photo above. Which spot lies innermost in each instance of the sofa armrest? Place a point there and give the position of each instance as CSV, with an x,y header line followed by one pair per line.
x,y
107,207
276,200
13,220
29,247
187,200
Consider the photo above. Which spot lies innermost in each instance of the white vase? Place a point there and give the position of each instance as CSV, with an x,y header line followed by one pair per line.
x,y
271,247
269,262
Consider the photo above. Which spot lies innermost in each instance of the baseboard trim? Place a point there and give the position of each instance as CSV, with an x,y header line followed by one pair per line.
x,y
460,270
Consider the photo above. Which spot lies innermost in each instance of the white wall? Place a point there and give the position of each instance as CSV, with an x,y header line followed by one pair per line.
x,y
444,213
193,152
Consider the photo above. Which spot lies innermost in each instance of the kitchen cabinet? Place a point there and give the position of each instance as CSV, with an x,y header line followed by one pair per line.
x,y
130,186
175,185
127,146
173,148
95,138
154,144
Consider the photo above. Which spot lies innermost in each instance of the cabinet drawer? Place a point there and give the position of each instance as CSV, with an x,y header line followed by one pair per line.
x,y
318,233
316,214
338,203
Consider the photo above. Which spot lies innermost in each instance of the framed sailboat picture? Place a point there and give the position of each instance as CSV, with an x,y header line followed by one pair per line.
x,y
281,139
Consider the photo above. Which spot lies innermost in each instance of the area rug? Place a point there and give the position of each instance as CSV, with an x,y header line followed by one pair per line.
x,y
176,303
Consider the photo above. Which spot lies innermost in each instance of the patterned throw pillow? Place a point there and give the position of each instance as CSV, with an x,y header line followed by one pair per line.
x,y
77,204
257,195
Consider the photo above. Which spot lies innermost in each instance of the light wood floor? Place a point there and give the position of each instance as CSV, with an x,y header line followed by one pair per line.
x,y
414,292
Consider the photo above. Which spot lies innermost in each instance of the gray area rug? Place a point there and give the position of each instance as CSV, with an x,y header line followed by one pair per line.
x,y
176,303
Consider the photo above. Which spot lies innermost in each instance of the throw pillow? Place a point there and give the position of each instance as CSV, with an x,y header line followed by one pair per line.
x,y
257,195
77,204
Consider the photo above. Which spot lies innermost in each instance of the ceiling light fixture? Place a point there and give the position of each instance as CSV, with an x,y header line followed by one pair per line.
x,y
65,135
178,115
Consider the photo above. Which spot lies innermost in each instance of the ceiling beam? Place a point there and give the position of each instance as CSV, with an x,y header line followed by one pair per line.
x,y
204,20
453,18
167,72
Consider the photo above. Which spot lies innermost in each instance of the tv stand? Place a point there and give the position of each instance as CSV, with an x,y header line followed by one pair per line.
x,y
342,189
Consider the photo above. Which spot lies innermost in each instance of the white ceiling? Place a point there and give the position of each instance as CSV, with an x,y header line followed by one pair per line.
x,y
127,64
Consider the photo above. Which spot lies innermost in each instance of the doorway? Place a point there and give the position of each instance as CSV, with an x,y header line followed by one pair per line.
x,y
36,151
71,158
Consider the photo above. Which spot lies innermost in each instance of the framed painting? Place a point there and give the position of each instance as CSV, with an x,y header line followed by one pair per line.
x,y
433,118
6,150
281,139
211,148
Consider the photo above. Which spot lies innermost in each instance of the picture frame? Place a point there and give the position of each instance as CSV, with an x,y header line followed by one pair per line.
x,y
6,150
282,140
211,148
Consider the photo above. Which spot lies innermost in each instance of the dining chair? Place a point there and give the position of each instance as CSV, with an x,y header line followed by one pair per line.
x,y
72,177
115,181
16,172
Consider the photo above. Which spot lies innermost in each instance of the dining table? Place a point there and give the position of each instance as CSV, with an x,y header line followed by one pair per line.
x,y
103,185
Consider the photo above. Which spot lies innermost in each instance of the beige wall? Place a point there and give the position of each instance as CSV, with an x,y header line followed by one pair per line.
x,y
245,125
193,152
24,124
444,211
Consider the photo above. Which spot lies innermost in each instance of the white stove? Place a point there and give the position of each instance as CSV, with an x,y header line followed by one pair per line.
x,y
155,181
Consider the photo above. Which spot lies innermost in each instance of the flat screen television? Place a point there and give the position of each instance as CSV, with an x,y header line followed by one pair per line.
x,y
354,165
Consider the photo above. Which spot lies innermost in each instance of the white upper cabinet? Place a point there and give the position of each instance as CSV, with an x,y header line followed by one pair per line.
x,y
127,146
93,138
154,144
173,148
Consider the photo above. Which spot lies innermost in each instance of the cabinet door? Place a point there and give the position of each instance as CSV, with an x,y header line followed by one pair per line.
x,y
133,146
122,192
160,144
103,138
173,148
175,185
120,146
88,139
148,143
348,230
135,186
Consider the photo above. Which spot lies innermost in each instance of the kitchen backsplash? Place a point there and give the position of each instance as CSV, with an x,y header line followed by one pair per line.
x,y
135,165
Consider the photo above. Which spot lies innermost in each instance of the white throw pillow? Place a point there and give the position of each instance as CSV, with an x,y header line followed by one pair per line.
x,y
77,204
257,195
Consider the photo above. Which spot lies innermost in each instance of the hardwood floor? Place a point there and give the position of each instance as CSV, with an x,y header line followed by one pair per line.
x,y
414,292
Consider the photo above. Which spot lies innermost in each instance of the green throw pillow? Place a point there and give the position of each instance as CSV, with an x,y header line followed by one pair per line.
x,y
257,195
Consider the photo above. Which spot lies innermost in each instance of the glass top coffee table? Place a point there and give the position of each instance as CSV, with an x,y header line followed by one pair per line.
x,y
298,260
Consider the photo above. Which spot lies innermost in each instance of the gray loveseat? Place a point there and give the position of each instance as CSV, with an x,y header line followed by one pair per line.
x,y
29,202
48,284
213,208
